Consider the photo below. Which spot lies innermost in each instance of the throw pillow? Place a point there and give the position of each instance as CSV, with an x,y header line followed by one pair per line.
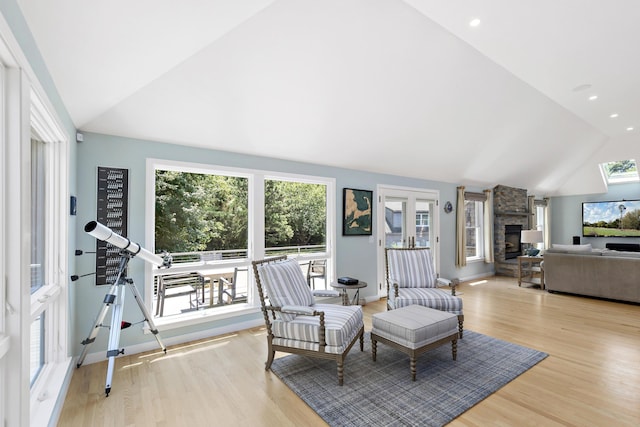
x,y
573,248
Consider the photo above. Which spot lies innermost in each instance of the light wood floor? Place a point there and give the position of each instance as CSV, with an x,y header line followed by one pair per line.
x,y
591,377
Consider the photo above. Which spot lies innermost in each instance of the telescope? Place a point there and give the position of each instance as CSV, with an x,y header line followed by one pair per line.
x,y
115,297
102,232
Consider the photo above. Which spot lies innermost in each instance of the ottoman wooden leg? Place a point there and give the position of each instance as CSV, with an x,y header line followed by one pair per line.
x,y
412,366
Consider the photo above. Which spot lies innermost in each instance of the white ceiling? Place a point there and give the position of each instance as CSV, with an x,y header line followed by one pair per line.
x,y
400,87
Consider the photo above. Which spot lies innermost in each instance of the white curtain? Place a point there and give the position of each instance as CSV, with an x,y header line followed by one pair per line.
x,y
488,227
461,240
533,220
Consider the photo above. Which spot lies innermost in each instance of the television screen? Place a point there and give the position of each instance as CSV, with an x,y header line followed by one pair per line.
x,y
611,219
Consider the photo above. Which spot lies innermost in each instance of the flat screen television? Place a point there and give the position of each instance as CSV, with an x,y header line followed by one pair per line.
x,y
611,219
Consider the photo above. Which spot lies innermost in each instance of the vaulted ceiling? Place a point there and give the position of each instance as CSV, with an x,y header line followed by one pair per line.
x,y
400,87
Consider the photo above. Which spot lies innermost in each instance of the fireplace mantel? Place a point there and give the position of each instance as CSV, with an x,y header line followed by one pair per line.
x,y
512,213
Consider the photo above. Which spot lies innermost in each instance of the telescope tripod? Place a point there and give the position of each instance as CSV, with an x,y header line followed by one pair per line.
x,y
115,297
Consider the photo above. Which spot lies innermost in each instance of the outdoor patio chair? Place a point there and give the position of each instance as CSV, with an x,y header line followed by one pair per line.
x,y
295,323
411,279
317,270
240,279
177,285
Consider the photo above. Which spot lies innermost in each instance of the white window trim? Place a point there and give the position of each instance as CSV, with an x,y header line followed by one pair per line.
x,y
480,232
255,249
27,109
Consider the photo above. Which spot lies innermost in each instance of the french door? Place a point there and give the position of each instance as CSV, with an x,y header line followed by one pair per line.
x,y
407,217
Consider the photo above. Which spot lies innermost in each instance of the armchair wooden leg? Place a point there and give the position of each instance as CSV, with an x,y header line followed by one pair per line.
x,y
374,349
460,322
270,355
454,349
340,372
361,342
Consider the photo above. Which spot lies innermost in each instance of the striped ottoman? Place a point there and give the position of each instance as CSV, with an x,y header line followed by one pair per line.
x,y
414,330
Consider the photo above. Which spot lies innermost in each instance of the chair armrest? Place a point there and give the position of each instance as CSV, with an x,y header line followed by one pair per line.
x,y
446,282
325,293
392,284
298,309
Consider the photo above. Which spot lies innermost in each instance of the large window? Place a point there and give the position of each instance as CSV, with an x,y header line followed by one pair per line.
x,y
38,246
213,221
295,215
47,248
202,214
474,225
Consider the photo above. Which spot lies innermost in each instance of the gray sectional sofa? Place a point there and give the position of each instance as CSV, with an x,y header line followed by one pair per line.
x,y
593,272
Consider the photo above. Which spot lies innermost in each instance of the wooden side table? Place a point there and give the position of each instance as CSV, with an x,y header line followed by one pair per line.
x,y
530,270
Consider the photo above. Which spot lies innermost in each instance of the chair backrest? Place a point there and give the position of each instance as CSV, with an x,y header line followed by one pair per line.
x,y
410,267
317,267
284,284
241,276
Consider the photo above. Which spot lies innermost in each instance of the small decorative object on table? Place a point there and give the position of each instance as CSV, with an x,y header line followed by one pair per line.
x,y
348,280
532,251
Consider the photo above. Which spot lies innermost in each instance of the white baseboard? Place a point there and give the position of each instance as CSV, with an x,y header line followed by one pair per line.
x,y
178,339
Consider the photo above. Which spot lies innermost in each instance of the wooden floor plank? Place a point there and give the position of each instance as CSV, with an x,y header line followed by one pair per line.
x,y
591,377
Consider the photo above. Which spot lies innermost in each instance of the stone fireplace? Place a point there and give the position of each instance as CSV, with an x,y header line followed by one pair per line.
x,y
510,216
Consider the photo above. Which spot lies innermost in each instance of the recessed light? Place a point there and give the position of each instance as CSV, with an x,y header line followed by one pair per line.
x,y
614,115
630,128
593,97
474,22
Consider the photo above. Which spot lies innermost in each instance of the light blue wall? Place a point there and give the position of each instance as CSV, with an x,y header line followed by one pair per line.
x,y
566,215
356,255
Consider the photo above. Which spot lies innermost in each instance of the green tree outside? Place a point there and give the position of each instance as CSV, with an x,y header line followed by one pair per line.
x,y
202,212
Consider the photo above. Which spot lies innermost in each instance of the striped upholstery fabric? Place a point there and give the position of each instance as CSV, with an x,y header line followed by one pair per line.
x,y
342,324
427,297
411,268
414,326
285,285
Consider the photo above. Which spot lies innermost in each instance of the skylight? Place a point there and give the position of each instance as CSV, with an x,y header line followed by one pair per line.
x,y
620,172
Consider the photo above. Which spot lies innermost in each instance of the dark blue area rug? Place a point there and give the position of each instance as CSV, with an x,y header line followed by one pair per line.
x,y
381,393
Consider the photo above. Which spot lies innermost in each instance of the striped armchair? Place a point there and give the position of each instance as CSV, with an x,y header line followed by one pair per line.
x,y
295,323
411,279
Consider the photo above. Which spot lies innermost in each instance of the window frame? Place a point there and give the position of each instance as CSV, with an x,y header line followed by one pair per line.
x,y
27,112
256,247
51,300
619,177
479,229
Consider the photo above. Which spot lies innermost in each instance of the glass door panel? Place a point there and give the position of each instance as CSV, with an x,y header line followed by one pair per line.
x,y
424,215
395,222
407,222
